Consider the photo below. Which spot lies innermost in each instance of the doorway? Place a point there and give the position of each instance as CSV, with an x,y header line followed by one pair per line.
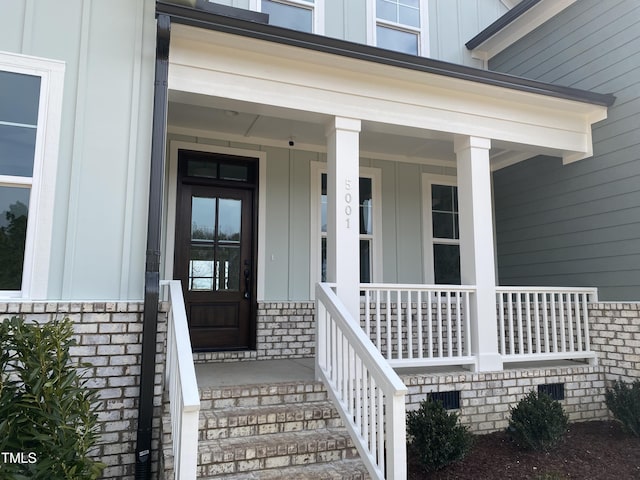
x,y
215,248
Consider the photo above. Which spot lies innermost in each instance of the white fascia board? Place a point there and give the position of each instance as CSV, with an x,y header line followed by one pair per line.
x,y
249,70
526,23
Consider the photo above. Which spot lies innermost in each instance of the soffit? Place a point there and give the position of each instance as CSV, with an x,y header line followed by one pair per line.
x,y
319,85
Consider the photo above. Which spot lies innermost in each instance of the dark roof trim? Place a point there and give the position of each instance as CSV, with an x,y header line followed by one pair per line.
x,y
503,21
198,18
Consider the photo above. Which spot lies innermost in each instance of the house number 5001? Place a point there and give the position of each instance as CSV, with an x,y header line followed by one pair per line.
x,y
347,201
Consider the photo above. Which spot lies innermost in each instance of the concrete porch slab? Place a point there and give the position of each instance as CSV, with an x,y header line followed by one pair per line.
x,y
224,374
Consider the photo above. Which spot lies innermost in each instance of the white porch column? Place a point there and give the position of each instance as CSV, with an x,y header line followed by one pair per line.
x,y
343,199
477,263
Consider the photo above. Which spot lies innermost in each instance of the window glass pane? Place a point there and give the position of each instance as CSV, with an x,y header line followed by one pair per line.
x,y
442,225
202,168
323,204
365,261
229,222
441,198
387,10
409,16
323,260
201,268
19,98
446,264
17,148
366,210
229,171
397,40
203,219
288,16
14,207
228,267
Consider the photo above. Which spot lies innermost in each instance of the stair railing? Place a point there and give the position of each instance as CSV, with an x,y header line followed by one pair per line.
x,y
368,394
180,379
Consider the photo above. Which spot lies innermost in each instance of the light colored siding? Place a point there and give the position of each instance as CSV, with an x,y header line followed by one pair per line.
x,y
578,224
346,19
101,187
452,23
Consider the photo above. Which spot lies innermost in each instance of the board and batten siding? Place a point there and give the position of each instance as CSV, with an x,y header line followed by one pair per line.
x,y
578,224
99,232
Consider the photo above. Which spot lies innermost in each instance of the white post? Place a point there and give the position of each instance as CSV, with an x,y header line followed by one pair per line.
x,y
477,264
343,202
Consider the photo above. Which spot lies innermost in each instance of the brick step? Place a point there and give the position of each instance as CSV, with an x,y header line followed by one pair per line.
x,y
262,394
349,469
273,451
242,422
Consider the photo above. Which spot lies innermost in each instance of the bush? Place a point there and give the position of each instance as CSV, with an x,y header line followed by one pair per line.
x,y
46,411
434,436
537,422
624,402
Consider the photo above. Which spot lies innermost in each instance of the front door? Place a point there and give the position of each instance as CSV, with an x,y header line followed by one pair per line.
x,y
214,250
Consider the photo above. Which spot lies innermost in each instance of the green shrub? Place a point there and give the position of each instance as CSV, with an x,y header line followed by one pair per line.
x,y
537,422
435,438
624,402
46,409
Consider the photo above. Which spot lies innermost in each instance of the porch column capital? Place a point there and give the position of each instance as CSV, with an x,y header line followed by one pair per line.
x,y
344,124
464,142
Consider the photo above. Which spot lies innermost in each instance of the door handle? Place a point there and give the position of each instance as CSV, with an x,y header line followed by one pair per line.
x,y
247,278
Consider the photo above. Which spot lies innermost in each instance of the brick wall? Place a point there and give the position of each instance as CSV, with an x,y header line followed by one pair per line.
x,y
485,398
615,335
109,337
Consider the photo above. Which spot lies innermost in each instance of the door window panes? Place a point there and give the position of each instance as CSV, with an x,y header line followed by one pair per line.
x,y
289,15
446,264
214,260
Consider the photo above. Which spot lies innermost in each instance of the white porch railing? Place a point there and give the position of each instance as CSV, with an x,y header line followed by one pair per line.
x,y
542,323
180,378
419,325
367,392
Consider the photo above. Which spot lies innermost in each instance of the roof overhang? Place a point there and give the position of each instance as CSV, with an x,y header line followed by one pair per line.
x,y
513,25
261,65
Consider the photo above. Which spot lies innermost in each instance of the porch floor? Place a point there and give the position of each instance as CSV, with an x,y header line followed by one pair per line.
x,y
253,372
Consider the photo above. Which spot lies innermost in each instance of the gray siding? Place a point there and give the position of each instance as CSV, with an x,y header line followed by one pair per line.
x,y
578,224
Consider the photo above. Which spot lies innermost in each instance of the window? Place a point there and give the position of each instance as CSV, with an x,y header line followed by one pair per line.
x,y
369,223
300,15
441,224
30,106
399,25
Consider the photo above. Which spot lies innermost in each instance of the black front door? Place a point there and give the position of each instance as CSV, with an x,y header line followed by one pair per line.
x,y
214,250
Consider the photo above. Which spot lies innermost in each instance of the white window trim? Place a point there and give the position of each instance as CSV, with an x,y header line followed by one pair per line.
x,y
37,255
428,180
375,174
422,31
169,232
316,7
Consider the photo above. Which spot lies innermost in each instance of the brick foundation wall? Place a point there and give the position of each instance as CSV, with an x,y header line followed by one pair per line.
x,y
109,337
485,398
615,336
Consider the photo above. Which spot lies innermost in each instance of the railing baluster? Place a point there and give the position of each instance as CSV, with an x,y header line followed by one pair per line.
x,y
554,326
467,322
528,317
430,324
520,334
503,351
367,315
458,326
378,322
389,336
545,319
585,316
439,319
409,326
419,323
536,310
570,321
578,329
512,348
449,325
381,431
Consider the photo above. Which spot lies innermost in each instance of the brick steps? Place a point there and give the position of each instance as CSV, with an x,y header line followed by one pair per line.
x,y
269,432
351,469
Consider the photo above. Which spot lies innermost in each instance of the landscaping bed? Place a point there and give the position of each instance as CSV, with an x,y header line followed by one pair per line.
x,y
590,450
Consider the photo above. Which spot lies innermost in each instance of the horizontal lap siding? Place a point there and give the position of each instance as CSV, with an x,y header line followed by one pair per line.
x,y
578,224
